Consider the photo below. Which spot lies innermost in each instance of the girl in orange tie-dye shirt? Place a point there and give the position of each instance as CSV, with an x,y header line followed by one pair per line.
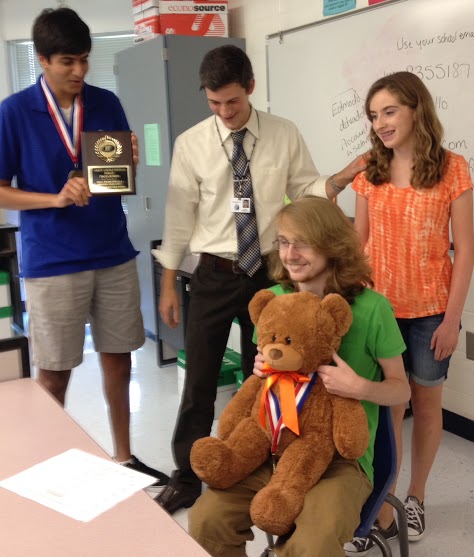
x,y
410,193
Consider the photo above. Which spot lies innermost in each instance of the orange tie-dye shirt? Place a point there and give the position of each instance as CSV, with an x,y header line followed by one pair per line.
x,y
408,240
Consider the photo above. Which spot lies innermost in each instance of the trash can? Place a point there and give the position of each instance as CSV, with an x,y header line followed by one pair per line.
x,y
239,378
6,309
226,385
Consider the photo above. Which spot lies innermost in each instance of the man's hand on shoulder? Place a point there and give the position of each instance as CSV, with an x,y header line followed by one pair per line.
x,y
347,174
337,183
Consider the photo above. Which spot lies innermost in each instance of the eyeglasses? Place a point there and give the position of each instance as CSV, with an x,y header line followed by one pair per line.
x,y
283,245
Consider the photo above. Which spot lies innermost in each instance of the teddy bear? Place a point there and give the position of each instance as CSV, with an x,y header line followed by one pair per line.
x,y
288,416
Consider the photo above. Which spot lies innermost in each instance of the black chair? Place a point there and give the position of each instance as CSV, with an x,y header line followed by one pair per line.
x,y
385,469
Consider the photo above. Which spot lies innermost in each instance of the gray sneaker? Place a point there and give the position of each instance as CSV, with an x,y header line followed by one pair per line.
x,y
415,518
361,546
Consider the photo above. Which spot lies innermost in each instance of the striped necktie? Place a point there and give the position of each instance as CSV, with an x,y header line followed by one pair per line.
x,y
250,259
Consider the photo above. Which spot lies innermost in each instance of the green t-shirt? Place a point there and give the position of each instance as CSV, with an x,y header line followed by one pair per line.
x,y
374,334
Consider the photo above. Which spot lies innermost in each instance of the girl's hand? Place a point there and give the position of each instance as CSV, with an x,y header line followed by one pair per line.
x,y
444,340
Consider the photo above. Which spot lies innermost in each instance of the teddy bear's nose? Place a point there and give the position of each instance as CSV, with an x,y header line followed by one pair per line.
x,y
275,354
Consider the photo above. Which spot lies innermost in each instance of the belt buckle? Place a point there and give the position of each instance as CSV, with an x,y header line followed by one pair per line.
x,y
235,267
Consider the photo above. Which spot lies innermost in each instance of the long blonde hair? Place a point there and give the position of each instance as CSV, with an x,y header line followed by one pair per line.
x,y
321,224
429,160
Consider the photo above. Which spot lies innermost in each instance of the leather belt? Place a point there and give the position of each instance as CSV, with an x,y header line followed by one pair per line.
x,y
224,265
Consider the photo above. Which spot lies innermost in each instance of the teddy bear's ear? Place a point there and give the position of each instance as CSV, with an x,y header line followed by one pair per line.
x,y
258,302
340,311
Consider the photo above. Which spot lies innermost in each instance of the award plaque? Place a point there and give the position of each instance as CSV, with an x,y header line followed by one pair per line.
x,y
107,162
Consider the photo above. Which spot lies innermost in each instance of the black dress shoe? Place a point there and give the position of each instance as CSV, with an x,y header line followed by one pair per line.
x,y
175,496
161,478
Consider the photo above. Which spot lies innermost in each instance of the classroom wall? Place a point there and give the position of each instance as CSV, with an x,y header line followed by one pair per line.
x,y
102,16
255,19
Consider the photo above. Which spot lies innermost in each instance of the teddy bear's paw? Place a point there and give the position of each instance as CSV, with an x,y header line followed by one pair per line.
x,y
353,447
211,459
352,452
274,510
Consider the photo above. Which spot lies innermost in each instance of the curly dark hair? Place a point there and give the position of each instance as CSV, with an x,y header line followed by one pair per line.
x,y
321,224
429,162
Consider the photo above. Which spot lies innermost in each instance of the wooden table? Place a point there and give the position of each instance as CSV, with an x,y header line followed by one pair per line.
x,y
33,428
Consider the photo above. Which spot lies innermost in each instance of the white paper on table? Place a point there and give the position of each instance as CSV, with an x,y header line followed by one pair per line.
x,y
77,484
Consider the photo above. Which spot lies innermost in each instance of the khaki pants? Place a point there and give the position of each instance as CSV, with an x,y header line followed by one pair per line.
x,y
221,523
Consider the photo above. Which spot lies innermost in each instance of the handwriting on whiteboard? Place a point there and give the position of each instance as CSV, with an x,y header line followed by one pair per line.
x,y
446,38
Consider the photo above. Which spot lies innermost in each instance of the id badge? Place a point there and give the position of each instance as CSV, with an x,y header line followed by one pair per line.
x,y
242,205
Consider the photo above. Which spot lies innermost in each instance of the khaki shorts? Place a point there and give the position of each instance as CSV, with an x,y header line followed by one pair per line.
x,y
59,308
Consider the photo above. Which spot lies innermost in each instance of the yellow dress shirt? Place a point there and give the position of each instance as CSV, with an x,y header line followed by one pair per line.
x,y
198,218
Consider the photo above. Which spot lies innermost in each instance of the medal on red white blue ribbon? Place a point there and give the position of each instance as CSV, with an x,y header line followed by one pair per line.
x,y
273,410
70,135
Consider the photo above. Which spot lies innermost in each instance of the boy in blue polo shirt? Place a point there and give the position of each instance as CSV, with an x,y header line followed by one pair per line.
x,y
78,262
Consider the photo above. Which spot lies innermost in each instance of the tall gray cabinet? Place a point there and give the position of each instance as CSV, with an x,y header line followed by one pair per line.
x,y
158,85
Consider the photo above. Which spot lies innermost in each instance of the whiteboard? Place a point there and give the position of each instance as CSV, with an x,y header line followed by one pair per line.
x,y
319,74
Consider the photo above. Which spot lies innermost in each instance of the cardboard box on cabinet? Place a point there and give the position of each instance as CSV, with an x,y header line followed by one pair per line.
x,y
142,5
194,17
147,22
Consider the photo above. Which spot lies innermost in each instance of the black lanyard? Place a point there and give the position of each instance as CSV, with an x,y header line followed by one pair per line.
x,y
238,178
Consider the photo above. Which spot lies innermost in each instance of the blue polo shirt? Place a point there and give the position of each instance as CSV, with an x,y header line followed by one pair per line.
x,y
73,239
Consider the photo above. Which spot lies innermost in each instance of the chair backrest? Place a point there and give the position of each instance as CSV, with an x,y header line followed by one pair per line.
x,y
385,469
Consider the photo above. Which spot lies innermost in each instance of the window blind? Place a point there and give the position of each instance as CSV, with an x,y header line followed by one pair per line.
x,y
25,68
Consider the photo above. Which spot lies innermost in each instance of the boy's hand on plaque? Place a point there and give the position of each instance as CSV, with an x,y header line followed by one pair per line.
x,y
136,158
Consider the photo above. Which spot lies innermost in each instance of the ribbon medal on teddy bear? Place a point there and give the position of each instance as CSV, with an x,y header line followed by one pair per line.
x,y
294,389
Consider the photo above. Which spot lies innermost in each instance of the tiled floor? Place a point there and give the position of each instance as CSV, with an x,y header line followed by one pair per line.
x,y
155,400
